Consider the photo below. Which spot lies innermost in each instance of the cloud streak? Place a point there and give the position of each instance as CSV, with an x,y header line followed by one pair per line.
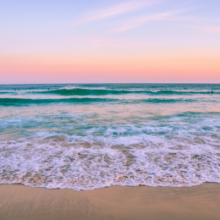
x,y
130,6
166,16
139,21
207,29
119,9
192,19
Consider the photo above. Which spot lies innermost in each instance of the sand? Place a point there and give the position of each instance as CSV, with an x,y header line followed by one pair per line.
x,y
19,202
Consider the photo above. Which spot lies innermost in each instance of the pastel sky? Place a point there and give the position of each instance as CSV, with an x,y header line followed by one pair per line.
x,y
103,41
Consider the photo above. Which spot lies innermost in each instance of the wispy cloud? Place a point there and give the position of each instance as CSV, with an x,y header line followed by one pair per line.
x,y
174,16
119,9
130,6
192,19
207,29
139,21
103,43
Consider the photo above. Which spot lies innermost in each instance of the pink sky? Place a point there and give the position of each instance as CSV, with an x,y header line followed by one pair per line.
x,y
120,41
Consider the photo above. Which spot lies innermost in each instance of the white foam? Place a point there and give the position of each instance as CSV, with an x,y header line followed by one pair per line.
x,y
88,147
86,163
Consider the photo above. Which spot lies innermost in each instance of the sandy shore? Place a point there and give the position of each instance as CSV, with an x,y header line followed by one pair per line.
x,y
129,203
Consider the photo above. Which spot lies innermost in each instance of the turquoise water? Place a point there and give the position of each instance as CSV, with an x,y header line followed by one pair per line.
x,y
84,137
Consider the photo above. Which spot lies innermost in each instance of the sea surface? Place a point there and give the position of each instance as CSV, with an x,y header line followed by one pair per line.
x,y
84,137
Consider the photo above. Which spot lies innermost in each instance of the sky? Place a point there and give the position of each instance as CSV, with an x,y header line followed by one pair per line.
x,y
117,41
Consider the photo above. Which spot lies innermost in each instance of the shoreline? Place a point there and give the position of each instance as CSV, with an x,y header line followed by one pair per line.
x,y
23,203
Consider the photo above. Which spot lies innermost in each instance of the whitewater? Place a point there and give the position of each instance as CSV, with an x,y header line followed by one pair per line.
x,y
89,136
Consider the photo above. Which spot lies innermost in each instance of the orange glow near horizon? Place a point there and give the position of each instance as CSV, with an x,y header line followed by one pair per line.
x,y
119,41
139,70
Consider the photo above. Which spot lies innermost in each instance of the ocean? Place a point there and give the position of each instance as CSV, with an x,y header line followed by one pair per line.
x,y
89,136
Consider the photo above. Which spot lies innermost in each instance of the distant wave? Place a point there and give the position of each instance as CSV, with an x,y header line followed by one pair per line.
x,y
99,92
6,92
20,102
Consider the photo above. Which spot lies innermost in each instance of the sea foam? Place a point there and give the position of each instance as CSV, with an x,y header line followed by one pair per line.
x,y
84,137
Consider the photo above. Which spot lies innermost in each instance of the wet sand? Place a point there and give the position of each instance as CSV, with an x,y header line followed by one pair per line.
x,y
19,202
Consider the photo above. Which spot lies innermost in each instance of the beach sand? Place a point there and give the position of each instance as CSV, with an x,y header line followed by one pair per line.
x,y
19,202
